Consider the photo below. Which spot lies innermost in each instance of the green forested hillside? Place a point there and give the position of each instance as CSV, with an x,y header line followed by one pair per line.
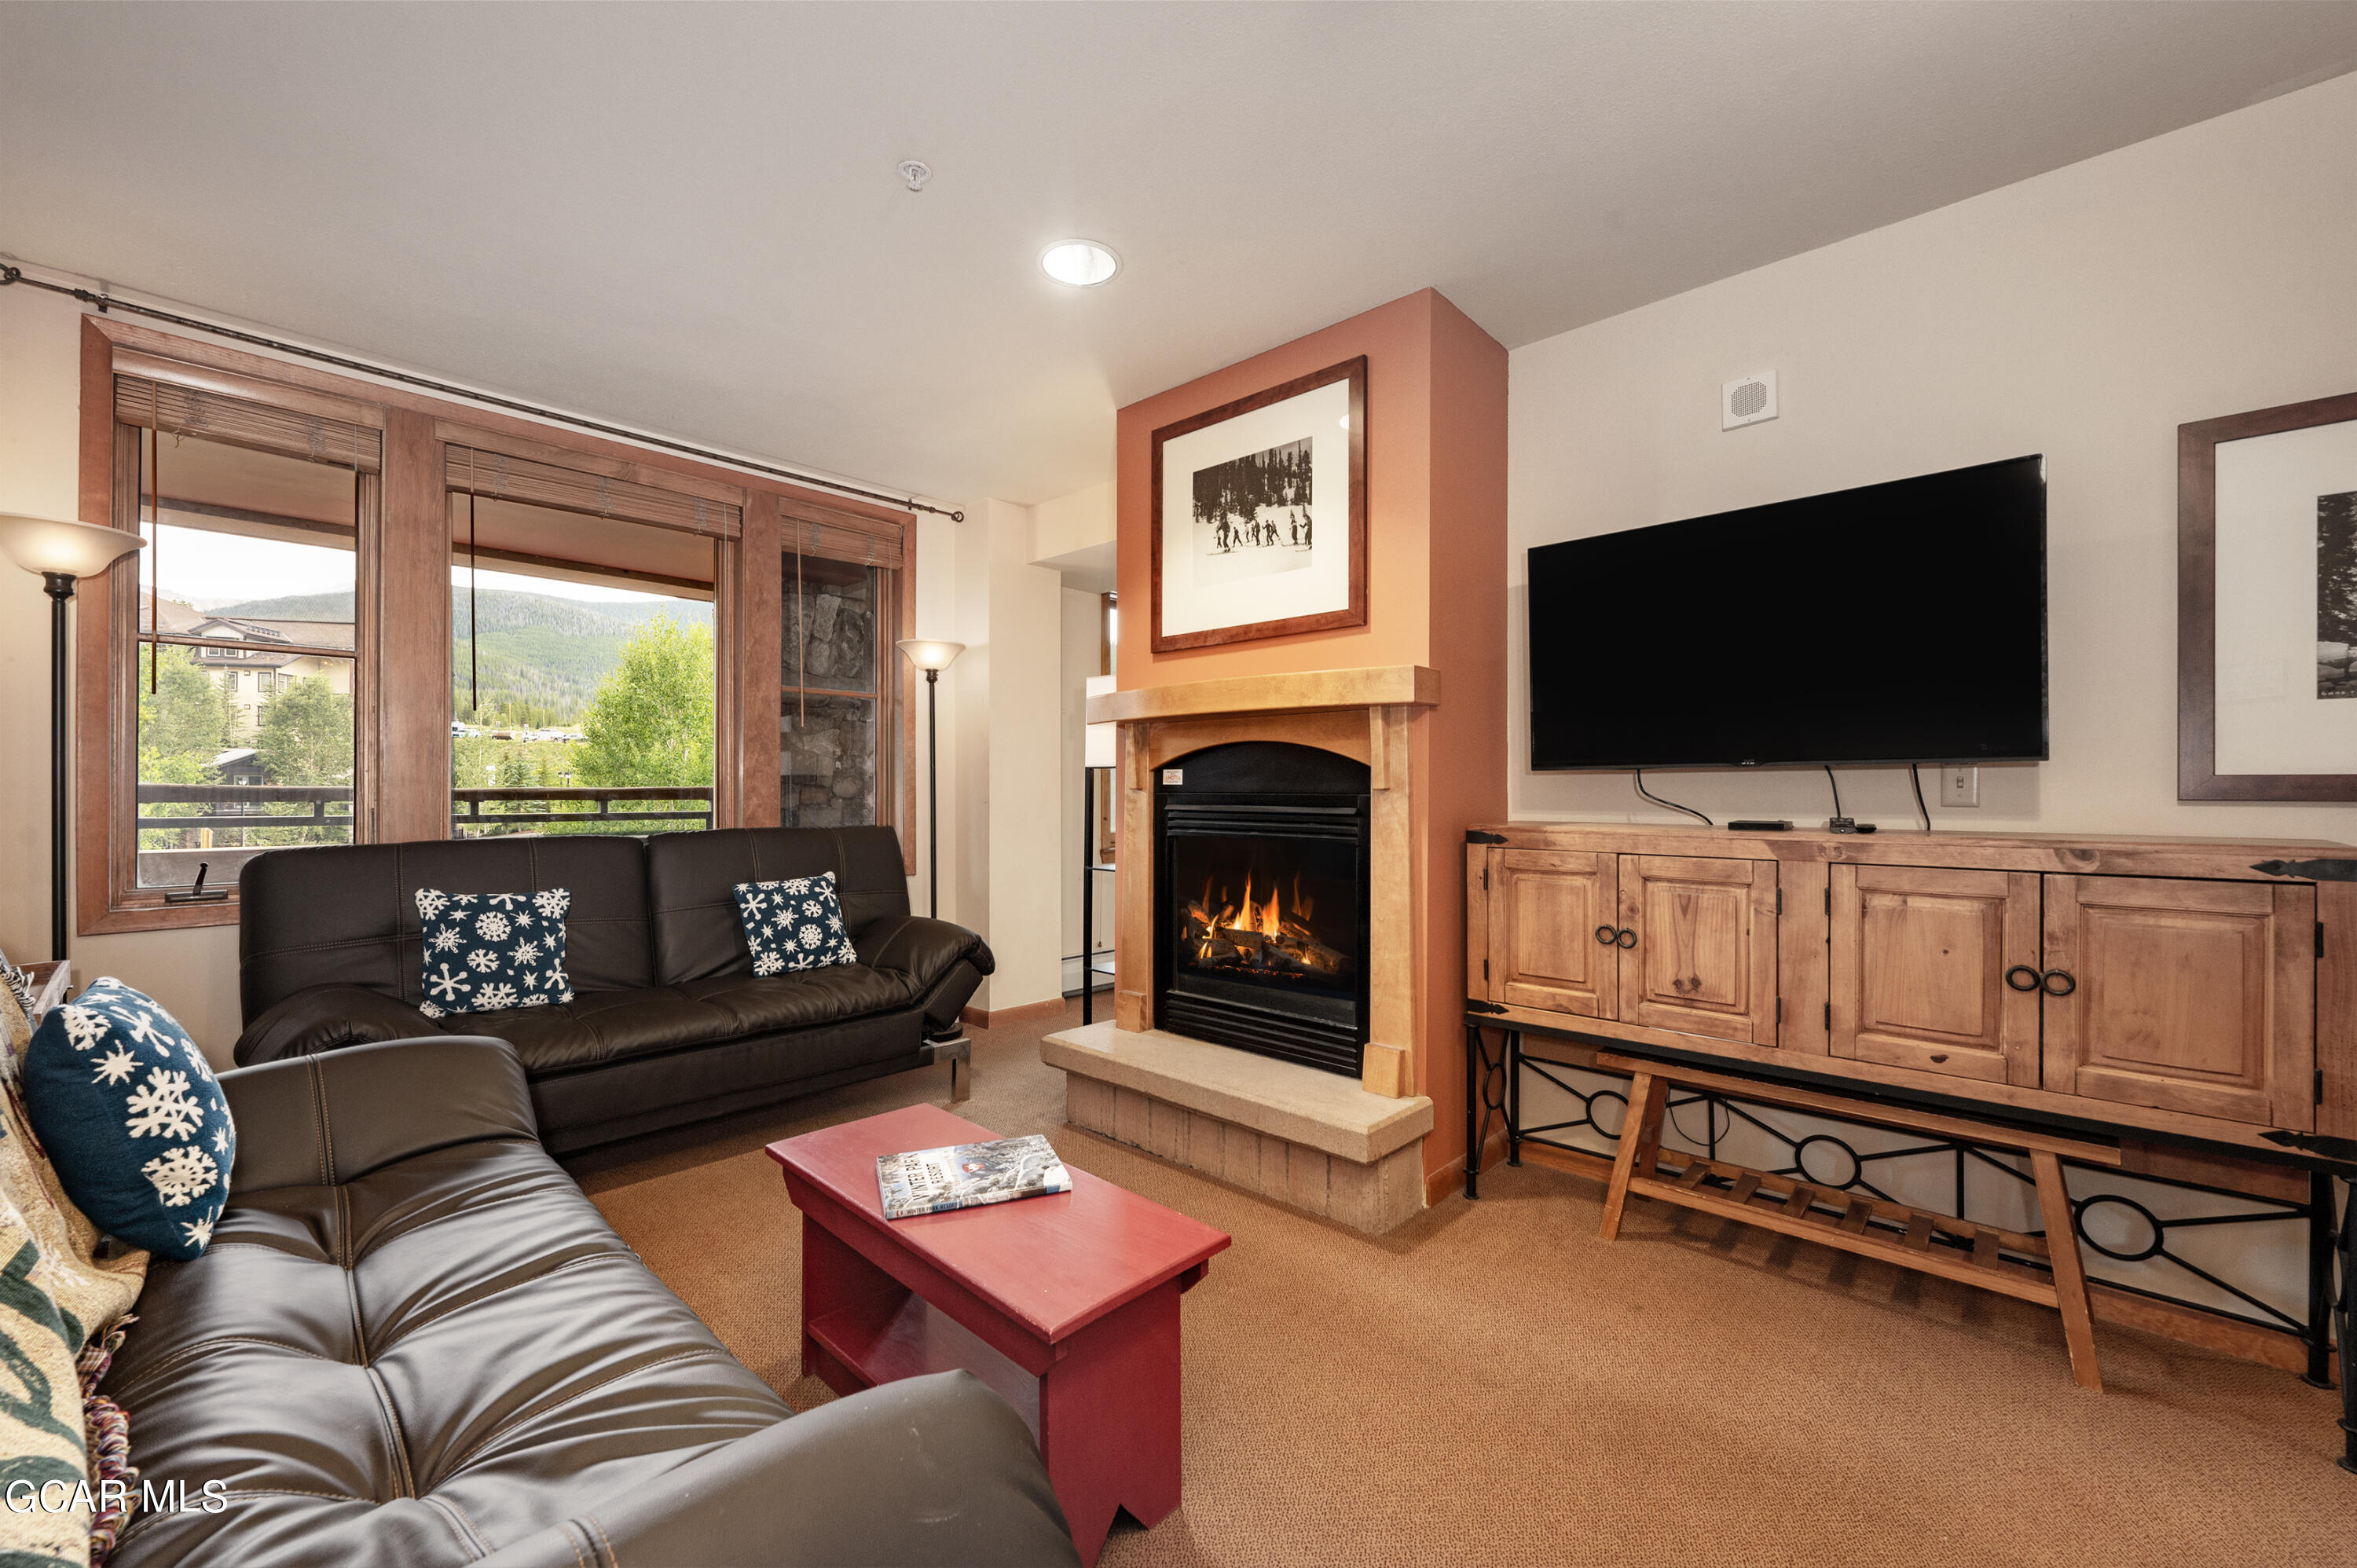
x,y
539,657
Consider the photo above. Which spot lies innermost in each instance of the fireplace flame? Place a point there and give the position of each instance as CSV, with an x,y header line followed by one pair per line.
x,y
1260,920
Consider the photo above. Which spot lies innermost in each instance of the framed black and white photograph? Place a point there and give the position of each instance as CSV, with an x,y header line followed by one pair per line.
x,y
2267,604
1259,514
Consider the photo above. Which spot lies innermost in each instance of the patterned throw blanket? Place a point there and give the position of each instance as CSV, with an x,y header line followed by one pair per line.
x,y
59,1301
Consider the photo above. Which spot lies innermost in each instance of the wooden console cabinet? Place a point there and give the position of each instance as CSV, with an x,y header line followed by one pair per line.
x,y
2160,983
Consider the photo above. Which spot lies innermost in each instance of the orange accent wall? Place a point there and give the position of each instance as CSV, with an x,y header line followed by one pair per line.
x,y
1435,438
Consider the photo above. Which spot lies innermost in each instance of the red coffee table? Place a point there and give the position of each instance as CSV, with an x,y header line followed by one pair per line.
x,y
1067,1305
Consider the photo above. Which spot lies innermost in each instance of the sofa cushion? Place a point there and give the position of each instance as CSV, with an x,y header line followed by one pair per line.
x,y
793,925
128,1111
608,1025
486,953
344,914
414,1368
692,880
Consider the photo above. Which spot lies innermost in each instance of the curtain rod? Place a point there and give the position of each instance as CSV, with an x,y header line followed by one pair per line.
x,y
108,302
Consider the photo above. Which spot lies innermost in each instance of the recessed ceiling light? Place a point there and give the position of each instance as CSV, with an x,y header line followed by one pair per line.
x,y
1084,263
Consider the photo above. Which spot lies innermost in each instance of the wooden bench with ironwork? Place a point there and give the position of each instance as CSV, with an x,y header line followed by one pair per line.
x,y
1928,1243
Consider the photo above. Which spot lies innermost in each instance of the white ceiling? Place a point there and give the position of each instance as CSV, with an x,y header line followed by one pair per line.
x,y
685,218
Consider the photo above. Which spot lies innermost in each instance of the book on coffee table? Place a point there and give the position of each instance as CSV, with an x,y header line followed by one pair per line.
x,y
964,1176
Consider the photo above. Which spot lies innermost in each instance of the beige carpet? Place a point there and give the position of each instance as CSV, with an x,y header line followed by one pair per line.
x,y
1492,1384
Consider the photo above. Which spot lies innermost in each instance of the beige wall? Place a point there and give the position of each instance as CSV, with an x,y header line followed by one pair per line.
x,y
1077,521
937,606
2084,314
1003,778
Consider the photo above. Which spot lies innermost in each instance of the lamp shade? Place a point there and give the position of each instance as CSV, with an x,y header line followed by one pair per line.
x,y
1097,740
78,549
926,654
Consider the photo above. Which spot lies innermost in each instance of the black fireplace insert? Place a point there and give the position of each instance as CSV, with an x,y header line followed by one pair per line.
x,y
1261,917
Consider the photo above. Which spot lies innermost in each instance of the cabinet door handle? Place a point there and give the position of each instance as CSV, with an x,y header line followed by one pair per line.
x,y
1604,935
1627,939
2051,976
2014,977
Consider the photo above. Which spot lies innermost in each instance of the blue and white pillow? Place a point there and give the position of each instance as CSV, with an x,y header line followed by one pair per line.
x,y
486,953
793,925
133,1120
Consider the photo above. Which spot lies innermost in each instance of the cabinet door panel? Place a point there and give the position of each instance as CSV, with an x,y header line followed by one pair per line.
x,y
1545,907
2193,996
1704,959
1919,962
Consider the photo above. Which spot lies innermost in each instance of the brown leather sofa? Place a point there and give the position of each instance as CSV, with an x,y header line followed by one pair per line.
x,y
413,1342
669,1022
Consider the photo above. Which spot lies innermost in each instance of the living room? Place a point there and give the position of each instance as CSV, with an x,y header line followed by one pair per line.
x,y
1301,734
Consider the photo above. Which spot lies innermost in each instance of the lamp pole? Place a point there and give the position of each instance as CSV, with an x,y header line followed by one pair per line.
x,y
933,793
59,586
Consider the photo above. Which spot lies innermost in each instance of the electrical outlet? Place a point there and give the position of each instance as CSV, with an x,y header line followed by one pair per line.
x,y
1960,786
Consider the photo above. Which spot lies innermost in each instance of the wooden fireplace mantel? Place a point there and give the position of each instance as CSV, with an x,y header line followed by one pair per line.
x,y
1309,691
1363,713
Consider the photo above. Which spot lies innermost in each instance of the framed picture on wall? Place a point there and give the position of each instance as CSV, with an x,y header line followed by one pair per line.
x,y
1259,514
2266,604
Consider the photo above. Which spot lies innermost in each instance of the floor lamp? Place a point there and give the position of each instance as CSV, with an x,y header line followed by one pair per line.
x,y
932,658
60,553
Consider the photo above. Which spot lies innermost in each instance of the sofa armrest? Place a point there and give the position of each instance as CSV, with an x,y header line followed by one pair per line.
x,y
320,1119
934,1472
921,949
327,1018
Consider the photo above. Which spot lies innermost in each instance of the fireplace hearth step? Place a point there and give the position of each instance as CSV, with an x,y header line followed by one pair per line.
x,y
1372,1198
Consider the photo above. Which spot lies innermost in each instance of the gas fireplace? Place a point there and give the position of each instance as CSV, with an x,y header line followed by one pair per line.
x,y
1261,872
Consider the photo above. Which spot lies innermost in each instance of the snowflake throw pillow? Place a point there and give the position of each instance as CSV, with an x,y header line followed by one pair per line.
x,y
794,924
486,953
132,1118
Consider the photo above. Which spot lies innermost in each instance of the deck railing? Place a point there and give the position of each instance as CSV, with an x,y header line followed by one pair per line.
x,y
242,805
466,805
330,805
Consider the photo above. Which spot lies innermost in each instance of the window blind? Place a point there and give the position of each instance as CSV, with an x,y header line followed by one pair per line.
x,y
470,471
839,535
215,417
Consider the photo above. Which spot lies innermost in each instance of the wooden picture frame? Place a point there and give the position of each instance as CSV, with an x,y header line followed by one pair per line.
x,y
1353,570
2198,630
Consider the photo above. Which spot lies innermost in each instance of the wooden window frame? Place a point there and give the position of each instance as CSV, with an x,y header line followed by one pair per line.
x,y
402,727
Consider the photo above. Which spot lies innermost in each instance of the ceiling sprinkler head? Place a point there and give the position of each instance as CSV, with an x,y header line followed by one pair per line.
x,y
915,173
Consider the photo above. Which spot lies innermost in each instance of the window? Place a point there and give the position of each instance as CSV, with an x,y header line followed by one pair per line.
x,y
582,670
838,687
282,664
250,556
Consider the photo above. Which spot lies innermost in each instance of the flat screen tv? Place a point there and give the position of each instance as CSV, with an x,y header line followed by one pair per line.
x,y
1901,622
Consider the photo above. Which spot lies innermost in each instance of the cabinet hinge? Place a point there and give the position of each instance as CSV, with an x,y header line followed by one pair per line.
x,y
1485,879
1475,835
1780,1009
1485,969
2320,939
2320,1085
1779,900
1829,1015
1829,900
1472,1006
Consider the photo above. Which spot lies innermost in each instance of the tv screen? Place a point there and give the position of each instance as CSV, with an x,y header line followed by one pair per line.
x,y
1902,622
